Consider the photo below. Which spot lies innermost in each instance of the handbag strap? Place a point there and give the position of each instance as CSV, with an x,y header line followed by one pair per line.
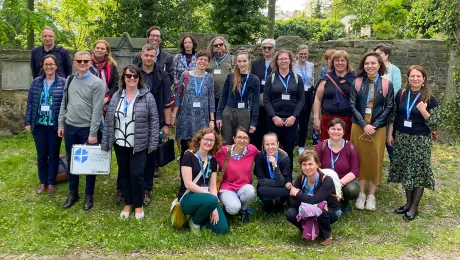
x,y
337,86
227,158
205,165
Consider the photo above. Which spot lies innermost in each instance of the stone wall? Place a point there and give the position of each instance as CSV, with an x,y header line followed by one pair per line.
x,y
16,76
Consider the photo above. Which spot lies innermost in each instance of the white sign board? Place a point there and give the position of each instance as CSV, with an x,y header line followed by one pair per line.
x,y
89,160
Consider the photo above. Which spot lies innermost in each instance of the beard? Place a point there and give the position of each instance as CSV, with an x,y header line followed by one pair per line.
x,y
219,54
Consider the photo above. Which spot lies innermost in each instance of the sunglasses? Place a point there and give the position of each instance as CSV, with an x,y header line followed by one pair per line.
x,y
218,45
268,48
131,76
82,61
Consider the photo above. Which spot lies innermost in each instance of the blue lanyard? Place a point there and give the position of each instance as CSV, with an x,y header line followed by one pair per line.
x,y
185,61
198,90
285,84
267,65
409,108
371,90
244,87
304,72
310,190
270,170
206,174
126,103
332,156
222,60
47,89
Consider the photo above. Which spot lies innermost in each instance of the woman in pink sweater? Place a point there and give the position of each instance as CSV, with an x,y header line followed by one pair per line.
x,y
236,190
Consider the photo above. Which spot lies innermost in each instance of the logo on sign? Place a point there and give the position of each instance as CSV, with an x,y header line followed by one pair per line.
x,y
81,155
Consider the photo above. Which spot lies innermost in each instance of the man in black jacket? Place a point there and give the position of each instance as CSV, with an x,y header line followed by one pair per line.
x,y
164,60
159,84
62,55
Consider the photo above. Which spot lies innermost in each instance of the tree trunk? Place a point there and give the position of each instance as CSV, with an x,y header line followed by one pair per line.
x,y
30,36
271,17
452,82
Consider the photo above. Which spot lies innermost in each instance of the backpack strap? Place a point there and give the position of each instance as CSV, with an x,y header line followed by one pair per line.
x,y
323,147
400,95
385,87
337,86
66,90
358,83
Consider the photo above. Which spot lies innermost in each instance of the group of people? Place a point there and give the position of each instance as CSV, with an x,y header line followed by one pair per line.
x,y
230,114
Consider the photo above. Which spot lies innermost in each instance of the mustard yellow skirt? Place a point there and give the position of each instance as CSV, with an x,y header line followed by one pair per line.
x,y
371,150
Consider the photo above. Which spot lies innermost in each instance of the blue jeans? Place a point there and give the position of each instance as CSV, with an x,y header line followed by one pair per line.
x,y
46,139
77,135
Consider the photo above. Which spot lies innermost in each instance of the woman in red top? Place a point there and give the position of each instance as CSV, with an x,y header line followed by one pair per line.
x,y
341,156
236,190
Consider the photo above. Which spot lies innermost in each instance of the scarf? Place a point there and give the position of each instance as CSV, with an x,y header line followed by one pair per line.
x,y
339,99
102,67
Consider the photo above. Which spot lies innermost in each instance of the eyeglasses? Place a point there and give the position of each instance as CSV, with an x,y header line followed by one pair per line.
x,y
243,51
239,138
82,61
209,140
131,76
203,59
49,65
218,45
155,36
283,59
268,48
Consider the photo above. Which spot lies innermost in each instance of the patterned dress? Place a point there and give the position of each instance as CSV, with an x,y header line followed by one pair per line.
x,y
190,119
411,164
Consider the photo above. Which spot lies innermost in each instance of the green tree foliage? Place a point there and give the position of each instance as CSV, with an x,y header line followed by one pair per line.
x,y
136,16
311,29
16,19
241,20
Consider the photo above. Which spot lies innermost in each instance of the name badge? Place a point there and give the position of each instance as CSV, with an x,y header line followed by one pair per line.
x,y
45,108
408,123
217,71
123,120
285,96
206,188
262,82
241,105
368,110
196,104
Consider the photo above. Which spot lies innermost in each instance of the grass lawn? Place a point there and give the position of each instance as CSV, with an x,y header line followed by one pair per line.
x,y
33,225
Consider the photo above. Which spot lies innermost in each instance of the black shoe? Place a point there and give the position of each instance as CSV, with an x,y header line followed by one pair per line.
x,y
156,172
147,197
346,207
118,197
244,216
71,200
268,206
279,207
401,210
88,203
409,216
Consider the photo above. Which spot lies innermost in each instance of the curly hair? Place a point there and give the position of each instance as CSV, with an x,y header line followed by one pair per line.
x,y
275,59
195,143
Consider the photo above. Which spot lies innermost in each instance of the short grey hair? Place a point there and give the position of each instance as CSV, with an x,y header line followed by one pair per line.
x,y
81,53
301,47
270,41
49,28
210,45
149,47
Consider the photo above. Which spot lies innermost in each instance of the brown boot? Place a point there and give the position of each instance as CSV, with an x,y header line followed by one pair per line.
x,y
51,189
118,197
156,172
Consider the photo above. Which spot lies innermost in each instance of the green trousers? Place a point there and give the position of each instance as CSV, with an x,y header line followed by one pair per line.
x,y
350,191
200,206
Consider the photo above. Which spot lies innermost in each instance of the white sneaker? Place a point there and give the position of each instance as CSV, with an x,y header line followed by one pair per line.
x,y
370,202
360,201
301,150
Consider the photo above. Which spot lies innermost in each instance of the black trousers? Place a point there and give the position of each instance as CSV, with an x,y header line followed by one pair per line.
x,y
286,136
131,174
324,221
304,118
261,129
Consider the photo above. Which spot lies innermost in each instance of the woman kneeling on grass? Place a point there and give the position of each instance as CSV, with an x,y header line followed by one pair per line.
x,y
313,187
201,202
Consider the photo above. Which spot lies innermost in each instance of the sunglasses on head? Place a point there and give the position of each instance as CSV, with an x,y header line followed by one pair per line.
x,y
82,61
267,48
131,76
218,45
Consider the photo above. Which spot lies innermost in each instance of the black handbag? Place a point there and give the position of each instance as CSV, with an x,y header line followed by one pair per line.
x,y
165,152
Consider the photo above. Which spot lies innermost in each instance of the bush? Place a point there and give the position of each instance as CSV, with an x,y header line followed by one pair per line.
x,y
450,117
311,29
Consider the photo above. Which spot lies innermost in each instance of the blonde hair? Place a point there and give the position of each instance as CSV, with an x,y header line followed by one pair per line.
x,y
109,51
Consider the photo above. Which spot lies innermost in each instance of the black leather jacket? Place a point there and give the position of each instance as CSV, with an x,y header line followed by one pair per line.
x,y
382,106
